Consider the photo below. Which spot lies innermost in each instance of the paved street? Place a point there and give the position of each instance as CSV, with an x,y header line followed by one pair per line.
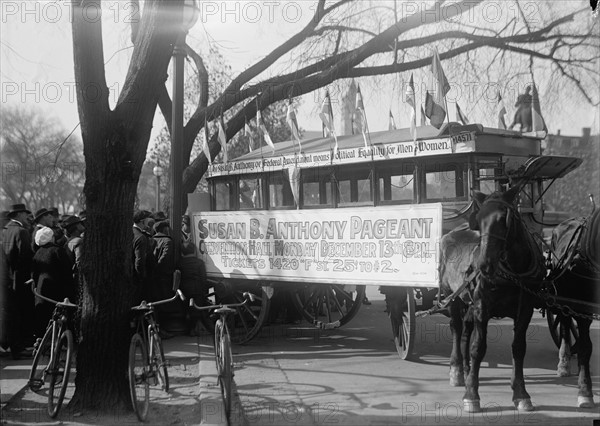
x,y
294,374
298,375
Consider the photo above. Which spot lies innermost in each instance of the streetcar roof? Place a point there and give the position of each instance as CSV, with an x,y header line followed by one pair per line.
x,y
452,138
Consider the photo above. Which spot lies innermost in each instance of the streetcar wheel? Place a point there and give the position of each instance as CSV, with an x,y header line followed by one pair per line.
x,y
59,372
554,326
328,305
39,366
402,315
139,388
157,358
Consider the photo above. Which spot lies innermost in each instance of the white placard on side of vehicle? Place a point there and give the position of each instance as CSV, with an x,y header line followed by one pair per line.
x,y
384,245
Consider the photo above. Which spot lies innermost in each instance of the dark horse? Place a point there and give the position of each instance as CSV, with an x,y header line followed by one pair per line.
x,y
491,266
576,269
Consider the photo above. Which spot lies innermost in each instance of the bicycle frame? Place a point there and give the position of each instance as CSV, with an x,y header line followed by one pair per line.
x,y
223,356
60,332
146,342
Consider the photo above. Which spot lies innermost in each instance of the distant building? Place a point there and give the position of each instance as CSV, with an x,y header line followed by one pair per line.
x,y
569,196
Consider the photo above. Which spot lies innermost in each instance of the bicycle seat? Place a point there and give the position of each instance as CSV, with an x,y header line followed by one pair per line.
x,y
224,310
66,304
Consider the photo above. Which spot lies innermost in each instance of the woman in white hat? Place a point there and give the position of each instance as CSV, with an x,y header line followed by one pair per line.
x,y
52,271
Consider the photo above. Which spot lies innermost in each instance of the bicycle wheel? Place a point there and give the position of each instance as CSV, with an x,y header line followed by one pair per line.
x,y
157,359
226,374
39,366
59,372
218,334
139,388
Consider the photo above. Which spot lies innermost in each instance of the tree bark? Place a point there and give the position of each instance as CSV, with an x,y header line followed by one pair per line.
x,y
115,144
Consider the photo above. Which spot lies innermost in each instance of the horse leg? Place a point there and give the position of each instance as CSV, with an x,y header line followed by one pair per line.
x,y
468,325
521,398
480,318
585,397
563,368
456,358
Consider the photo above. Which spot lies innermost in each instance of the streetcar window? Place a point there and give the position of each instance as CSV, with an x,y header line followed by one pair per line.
x,y
280,191
487,182
354,186
250,193
397,184
316,187
445,181
223,194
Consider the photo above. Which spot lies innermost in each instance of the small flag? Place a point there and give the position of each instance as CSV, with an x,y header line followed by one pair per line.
x,y
440,81
423,121
360,107
326,116
223,139
392,125
293,123
460,116
205,147
294,178
248,133
501,112
537,120
261,125
410,100
436,113
440,88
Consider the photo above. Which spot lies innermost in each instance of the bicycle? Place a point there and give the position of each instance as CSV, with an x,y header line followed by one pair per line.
x,y
223,356
146,353
54,353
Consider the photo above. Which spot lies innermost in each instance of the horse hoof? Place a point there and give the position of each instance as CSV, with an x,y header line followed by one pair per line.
x,y
585,401
471,406
524,404
563,370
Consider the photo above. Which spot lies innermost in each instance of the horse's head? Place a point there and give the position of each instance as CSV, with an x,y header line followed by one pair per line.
x,y
493,217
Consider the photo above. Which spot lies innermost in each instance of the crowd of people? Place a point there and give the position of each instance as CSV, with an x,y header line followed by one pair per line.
x,y
47,247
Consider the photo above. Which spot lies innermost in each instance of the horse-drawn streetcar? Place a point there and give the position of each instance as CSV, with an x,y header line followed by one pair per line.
x,y
324,224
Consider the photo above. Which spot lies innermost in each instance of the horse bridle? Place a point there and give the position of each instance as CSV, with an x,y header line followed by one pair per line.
x,y
510,210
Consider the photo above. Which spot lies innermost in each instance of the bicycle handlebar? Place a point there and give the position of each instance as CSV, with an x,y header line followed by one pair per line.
x,y
247,297
150,305
65,303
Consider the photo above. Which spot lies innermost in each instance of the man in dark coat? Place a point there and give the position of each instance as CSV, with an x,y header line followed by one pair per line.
x,y
52,272
193,285
16,242
143,259
164,257
163,271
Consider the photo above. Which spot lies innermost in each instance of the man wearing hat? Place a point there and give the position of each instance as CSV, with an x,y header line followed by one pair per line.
x,y
143,258
16,243
43,218
74,228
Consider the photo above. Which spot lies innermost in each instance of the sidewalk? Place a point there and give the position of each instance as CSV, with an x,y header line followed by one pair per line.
x,y
193,399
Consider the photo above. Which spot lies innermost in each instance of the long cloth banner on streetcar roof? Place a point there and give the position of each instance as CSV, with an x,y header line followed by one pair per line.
x,y
392,245
464,142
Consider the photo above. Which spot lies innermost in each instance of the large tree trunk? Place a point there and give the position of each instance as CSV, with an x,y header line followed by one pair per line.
x,y
115,144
